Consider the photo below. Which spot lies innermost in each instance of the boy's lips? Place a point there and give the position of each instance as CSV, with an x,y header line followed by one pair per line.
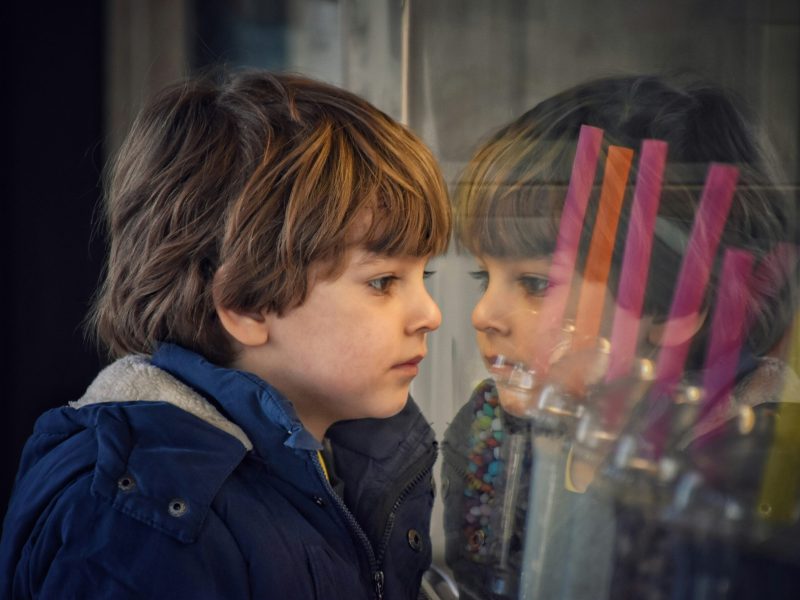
x,y
411,361
499,364
498,360
409,367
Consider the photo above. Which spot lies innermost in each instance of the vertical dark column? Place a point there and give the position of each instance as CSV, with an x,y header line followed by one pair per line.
x,y
52,94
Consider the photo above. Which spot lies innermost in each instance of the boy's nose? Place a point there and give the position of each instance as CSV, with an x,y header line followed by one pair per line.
x,y
488,315
427,316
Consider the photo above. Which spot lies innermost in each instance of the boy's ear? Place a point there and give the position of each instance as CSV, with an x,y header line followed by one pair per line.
x,y
249,329
682,329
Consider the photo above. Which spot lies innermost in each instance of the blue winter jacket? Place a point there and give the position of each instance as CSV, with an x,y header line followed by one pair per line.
x,y
175,478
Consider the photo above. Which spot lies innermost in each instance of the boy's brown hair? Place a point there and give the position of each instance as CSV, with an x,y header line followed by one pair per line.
x,y
265,175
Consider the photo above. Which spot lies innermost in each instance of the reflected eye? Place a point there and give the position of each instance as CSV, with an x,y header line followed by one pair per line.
x,y
534,285
482,277
382,284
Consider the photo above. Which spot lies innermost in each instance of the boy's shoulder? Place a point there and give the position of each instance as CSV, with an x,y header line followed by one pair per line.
x,y
136,441
113,475
141,458
147,492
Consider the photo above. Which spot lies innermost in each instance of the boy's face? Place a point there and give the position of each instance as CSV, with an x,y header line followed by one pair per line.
x,y
353,347
507,320
505,317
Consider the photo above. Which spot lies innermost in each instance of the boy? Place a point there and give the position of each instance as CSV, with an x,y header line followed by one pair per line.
x,y
264,290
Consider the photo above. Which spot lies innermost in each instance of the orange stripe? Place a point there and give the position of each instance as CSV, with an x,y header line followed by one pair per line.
x,y
598,264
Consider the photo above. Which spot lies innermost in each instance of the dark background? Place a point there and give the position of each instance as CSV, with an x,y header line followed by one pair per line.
x,y
55,56
53,99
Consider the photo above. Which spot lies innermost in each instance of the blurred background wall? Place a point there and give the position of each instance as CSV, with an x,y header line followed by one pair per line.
x,y
454,70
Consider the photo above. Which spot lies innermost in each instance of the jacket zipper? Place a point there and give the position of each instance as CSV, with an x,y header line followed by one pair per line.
x,y
375,562
425,471
377,573
456,460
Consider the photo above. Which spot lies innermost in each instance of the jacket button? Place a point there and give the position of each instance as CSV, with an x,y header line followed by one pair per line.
x,y
126,483
414,540
319,501
178,507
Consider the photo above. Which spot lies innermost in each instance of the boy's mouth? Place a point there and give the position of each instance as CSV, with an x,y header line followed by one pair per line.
x,y
499,365
411,362
498,361
410,366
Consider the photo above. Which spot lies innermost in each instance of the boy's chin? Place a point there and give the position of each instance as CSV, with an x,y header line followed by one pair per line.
x,y
391,406
514,402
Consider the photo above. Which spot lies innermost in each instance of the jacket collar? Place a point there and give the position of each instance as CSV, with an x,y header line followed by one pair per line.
x,y
262,412
142,408
134,379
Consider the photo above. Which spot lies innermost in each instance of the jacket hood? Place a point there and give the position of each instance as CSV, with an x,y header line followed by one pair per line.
x,y
134,378
263,413
150,431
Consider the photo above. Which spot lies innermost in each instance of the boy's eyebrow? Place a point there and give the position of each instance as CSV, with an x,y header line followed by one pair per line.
x,y
369,258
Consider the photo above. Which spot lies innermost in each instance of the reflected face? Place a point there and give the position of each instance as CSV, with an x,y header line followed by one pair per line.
x,y
508,321
505,317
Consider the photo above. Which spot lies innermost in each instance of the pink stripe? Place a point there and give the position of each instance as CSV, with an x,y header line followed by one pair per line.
x,y
691,286
696,269
741,288
727,331
636,260
584,167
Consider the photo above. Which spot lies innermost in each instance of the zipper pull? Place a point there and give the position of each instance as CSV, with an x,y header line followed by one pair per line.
x,y
377,580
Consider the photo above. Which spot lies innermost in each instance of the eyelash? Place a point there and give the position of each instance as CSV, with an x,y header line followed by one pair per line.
x,y
482,277
533,285
382,285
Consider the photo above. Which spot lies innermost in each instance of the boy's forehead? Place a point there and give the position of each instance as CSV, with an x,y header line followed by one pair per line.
x,y
363,257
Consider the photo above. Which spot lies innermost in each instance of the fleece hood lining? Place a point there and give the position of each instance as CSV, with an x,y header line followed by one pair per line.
x,y
134,378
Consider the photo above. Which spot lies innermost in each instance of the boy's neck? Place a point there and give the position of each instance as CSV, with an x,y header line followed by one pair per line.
x,y
313,421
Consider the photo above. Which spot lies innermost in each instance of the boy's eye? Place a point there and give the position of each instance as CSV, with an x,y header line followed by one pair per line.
x,y
482,277
382,284
428,274
534,285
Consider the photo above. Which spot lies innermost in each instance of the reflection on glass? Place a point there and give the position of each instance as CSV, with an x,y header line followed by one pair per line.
x,y
638,268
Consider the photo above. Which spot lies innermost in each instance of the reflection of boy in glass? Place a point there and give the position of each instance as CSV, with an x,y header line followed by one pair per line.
x,y
507,215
